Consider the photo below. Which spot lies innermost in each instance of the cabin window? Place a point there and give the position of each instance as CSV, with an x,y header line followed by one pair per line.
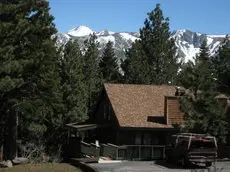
x,y
155,140
138,139
147,139
107,112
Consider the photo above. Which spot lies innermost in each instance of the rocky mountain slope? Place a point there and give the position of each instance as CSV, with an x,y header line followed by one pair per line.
x,y
188,42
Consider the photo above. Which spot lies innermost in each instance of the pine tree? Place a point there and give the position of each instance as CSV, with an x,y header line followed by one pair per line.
x,y
203,112
135,66
93,76
152,59
108,64
29,81
73,84
222,66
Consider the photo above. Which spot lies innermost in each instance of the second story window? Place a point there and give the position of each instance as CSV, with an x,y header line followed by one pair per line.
x,y
107,112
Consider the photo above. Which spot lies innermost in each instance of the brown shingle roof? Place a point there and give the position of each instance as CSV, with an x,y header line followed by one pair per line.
x,y
133,104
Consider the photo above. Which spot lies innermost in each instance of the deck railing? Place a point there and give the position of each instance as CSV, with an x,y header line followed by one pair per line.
x,y
128,152
90,149
133,152
113,151
144,152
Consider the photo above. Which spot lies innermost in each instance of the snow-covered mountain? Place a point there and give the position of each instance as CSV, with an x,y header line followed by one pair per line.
x,y
80,31
188,42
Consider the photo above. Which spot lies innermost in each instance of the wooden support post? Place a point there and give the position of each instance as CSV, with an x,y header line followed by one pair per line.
x,y
68,135
152,154
16,136
1,153
139,152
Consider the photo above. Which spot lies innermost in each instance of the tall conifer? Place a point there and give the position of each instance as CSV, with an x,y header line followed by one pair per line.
x,y
152,59
222,67
203,113
108,64
29,81
93,76
73,83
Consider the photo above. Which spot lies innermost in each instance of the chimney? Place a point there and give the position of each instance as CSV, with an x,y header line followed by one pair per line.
x,y
180,91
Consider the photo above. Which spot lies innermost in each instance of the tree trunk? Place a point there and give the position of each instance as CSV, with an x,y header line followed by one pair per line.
x,y
10,137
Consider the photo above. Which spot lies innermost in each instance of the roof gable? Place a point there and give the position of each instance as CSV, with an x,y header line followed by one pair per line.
x,y
134,104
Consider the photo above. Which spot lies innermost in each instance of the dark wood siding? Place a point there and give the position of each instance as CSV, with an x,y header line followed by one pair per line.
x,y
107,121
142,137
105,113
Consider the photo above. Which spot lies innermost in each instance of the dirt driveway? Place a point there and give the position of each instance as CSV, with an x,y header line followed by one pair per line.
x,y
150,166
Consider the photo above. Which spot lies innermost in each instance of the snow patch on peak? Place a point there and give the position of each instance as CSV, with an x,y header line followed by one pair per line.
x,y
66,35
80,31
216,36
188,50
104,33
198,33
209,40
180,32
128,37
214,47
111,33
106,39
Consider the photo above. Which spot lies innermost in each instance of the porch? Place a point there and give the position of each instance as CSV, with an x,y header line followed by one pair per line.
x,y
91,140
123,152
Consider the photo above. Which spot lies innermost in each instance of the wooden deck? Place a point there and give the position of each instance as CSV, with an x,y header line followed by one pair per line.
x,y
124,152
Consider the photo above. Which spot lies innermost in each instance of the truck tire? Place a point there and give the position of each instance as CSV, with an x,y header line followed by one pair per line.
x,y
167,159
184,162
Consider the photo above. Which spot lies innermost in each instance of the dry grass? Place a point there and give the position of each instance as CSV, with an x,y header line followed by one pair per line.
x,y
48,167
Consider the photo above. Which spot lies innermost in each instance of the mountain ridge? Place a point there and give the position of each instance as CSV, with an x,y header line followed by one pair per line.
x,y
187,41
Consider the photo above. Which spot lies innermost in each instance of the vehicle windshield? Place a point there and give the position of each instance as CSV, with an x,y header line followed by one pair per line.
x,y
202,143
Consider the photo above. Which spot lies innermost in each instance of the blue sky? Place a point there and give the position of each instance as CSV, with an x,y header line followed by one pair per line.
x,y
205,16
